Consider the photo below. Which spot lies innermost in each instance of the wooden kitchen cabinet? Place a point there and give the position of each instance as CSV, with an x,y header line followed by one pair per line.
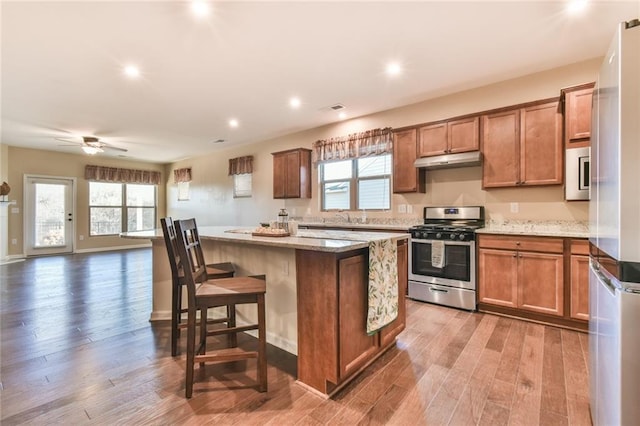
x,y
449,137
577,115
292,173
356,346
580,280
332,289
523,273
406,177
522,146
501,149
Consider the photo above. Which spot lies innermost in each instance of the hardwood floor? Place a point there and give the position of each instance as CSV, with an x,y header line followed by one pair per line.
x,y
77,348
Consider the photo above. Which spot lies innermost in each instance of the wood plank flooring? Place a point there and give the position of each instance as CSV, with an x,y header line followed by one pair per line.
x,y
77,348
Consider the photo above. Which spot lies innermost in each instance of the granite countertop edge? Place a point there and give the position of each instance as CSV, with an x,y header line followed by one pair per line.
x,y
326,241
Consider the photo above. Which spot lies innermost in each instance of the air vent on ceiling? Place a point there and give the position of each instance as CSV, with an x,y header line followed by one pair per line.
x,y
337,107
219,141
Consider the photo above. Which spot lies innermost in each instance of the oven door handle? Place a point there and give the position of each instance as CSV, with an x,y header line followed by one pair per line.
x,y
439,290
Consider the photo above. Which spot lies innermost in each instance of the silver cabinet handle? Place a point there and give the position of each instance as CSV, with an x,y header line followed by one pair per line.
x,y
438,290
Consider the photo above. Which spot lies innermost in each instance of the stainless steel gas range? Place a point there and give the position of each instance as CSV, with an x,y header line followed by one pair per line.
x,y
442,258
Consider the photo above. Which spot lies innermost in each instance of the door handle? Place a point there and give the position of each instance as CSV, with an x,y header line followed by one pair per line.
x,y
438,290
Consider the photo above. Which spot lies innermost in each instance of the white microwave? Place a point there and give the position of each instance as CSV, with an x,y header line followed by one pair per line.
x,y
577,174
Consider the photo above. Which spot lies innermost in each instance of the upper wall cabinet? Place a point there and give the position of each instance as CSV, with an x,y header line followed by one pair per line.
x,y
292,173
577,115
406,178
449,137
522,146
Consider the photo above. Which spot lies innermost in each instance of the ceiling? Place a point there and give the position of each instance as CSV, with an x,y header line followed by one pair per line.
x,y
62,64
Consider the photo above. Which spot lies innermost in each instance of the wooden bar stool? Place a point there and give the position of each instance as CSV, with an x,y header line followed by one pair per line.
x,y
203,293
214,270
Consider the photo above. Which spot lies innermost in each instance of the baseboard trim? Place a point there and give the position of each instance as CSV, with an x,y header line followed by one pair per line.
x,y
99,249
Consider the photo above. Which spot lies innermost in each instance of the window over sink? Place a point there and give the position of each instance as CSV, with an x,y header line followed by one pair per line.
x,y
362,183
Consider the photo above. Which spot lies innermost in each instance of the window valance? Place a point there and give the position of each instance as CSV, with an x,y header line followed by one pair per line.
x,y
241,165
370,142
114,174
182,175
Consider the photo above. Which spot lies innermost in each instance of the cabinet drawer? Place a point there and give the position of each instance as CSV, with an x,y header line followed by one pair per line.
x,y
580,247
540,244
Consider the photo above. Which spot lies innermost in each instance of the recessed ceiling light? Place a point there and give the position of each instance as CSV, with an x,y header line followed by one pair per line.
x,y
576,6
132,71
342,115
295,102
200,9
233,123
393,68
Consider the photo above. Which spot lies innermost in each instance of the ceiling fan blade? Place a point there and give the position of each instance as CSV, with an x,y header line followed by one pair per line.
x,y
79,142
114,148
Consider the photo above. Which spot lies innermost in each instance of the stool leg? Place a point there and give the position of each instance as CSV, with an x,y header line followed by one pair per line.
x,y
262,345
191,348
175,314
202,347
232,338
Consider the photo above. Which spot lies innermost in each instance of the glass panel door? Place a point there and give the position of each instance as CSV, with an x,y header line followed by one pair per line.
x,y
49,216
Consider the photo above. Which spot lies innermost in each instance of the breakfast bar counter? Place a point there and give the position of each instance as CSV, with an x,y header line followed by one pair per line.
x,y
317,286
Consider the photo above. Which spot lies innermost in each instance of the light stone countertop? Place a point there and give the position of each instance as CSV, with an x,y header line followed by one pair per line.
x,y
315,240
550,228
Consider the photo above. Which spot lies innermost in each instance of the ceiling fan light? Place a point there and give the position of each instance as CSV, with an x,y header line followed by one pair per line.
x,y
91,150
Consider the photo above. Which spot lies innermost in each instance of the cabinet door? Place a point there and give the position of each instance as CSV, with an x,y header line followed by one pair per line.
x,y
464,135
541,153
577,117
580,287
279,176
389,333
501,149
541,282
498,270
406,178
432,140
292,180
356,347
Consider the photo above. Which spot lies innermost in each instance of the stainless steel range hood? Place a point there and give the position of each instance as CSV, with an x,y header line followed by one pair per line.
x,y
462,159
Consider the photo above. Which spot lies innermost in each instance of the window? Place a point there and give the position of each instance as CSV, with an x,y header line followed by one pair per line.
x,y
242,185
357,184
120,207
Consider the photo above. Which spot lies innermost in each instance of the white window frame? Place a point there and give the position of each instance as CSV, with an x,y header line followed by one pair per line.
x,y
124,207
242,185
353,185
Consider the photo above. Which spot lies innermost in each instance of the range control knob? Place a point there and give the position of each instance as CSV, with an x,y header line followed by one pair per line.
x,y
452,236
438,235
462,237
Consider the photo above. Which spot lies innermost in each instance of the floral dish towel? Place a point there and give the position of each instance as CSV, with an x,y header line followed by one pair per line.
x,y
383,284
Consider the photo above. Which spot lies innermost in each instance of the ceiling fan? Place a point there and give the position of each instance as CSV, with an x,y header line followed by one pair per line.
x,y
91,145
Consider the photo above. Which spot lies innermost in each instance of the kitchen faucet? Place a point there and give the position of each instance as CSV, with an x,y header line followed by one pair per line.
x,y
344,215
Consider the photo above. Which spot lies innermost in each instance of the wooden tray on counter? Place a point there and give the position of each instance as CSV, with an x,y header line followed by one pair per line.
x,y
260,234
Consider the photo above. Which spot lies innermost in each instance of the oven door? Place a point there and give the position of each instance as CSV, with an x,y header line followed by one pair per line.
x,y
458,270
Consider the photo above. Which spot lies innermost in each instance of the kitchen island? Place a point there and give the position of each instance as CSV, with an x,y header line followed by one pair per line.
x,y
316,294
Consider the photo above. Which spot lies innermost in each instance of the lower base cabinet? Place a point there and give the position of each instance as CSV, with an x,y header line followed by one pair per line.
x,y
333,344
580,280
522,273
539,278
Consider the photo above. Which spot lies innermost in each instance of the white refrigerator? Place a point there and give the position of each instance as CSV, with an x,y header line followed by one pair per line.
x,y
614,216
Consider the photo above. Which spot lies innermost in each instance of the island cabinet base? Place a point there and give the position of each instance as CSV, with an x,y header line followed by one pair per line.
x,y
333,345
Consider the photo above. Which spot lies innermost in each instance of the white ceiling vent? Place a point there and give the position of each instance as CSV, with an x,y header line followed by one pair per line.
x,y
337,107
219,141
